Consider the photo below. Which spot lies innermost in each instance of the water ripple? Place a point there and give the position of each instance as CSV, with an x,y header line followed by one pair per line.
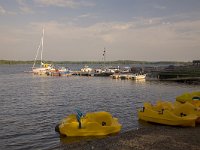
x,y
31,106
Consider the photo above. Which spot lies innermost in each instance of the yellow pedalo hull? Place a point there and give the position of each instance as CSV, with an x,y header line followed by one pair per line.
x,y
92,124
167,117
193,98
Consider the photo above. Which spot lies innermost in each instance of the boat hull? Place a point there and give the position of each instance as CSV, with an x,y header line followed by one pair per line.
x,y
167,118
139,77
168,114
193,98
93,124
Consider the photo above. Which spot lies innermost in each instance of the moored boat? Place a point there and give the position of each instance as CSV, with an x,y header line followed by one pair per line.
x,y
92,124
104,72
65,71
44,67
86,71
138,76
132,76
168,115
193,98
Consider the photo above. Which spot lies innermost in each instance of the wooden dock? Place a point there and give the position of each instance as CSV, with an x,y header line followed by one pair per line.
x,y
185,74
182,79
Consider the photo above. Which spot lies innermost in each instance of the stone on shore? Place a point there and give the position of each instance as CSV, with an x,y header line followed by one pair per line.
x,y
152,137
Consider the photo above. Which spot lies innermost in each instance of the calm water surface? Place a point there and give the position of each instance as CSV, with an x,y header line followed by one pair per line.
x,y
31,106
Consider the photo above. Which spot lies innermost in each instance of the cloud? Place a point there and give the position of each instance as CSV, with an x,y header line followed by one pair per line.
x,y
159,7
2,10
24,8
123,26
125,40
119,32
64,3
112,32
87,16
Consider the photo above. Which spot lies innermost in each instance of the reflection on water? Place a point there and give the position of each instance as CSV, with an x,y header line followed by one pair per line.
x,y
31,106
140,81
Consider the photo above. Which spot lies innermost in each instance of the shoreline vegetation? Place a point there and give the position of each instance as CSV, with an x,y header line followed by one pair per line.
x,y
11,62
152,136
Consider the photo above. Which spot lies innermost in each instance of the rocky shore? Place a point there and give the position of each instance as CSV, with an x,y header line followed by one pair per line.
x,y
154,137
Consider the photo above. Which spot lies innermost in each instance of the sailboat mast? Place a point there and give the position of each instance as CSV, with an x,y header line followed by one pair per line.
x,y
42,44
104,56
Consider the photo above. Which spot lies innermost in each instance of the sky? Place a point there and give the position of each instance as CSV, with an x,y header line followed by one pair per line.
x,y
79,30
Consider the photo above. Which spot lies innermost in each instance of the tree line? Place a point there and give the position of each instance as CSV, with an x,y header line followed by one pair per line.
x,y
91,62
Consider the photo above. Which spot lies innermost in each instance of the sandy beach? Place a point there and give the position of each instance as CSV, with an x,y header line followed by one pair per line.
x,y
150,137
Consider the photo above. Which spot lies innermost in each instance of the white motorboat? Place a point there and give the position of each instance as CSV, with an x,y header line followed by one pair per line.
x,y
86,69
138,76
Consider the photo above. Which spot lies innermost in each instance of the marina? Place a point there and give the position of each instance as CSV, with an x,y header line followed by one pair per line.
x,y
189,73
99,75
185,73
33,105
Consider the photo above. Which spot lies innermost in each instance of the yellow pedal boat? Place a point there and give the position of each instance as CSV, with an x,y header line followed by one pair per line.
x,y
92,124
167,114
193,98
177,108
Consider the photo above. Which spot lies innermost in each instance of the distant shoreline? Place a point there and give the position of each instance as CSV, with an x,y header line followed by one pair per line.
x,y
94,62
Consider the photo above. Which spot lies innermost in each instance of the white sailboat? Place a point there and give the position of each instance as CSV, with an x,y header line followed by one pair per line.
x,y
44,67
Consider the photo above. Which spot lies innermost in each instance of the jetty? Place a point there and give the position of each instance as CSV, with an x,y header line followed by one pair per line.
x,y
187,74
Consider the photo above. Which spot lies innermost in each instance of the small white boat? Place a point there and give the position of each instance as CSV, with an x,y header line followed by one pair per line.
x,y
86,69
138,76
104,72
65,71
135,76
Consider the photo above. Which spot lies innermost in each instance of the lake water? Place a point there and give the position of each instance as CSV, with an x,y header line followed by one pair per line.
x,y
31,106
